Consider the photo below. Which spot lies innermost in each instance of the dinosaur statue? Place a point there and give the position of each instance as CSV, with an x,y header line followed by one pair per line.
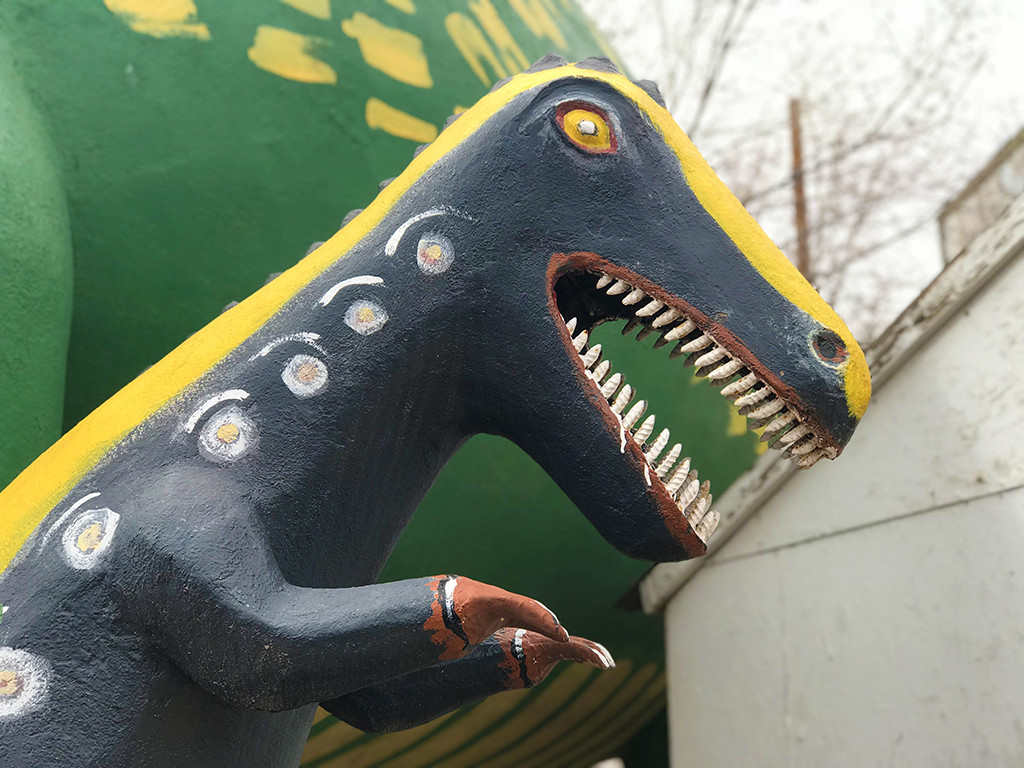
x,y
189,571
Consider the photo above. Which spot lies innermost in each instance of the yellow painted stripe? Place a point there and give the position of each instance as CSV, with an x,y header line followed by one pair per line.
x,y
320,714
633,691
604,743
575,715
289,55
465,728
548,702
27,500
329,740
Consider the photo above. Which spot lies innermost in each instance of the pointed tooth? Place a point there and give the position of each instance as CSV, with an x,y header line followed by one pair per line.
x,y
700,506
805,445
725,370
649,308
689,490
571,325
623,399
681,330
753,397
794,434
706,527
778,423
675,482
716,354
666,317
810,459
580,341
634,414
602,370
767,409
619,286
657,447
611,385
633,297
603,280
592,356
645,431
669,460
697,344
739,386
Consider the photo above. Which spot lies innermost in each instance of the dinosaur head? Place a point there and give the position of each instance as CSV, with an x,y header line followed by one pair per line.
x,y
581,201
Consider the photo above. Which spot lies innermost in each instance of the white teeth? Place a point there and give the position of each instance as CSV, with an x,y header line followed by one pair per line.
x,y
602,370
739,386
670,459
699,507
657,447
806,445
611,385
699,343
634,414
623,399
633,297
680,331
649,308
675,482
754,397
619,286
794,434
592,356
706,527
603,280
580,341
766,410
779,422
645,431
665,317
725,370
689,490
708,358
810,459
571,325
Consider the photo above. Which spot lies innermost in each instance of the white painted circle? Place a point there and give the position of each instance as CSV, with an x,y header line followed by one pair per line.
x,y
366,317
587,127
228,435
88,537
305,376
24,682
434,254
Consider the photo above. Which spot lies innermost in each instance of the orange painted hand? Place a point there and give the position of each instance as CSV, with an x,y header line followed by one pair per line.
x,y
530,657
484,609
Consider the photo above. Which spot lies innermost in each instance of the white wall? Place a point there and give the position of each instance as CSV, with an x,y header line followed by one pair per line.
x,y
872,611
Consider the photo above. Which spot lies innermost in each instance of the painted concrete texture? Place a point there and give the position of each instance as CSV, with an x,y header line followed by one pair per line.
x,y
867,614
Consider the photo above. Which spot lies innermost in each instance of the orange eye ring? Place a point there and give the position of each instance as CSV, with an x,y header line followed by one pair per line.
x,y
587,127
829,347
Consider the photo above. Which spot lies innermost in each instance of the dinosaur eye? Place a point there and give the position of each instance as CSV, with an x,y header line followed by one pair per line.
x,y
829,347
587,127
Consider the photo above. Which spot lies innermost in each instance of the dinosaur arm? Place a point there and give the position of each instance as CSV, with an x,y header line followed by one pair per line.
x,y
509,659
213,600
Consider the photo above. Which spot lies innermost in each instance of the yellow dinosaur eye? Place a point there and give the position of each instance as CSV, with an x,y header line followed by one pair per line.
x,y
587,128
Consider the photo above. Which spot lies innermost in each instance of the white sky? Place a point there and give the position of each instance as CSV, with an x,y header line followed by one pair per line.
x,y
795,47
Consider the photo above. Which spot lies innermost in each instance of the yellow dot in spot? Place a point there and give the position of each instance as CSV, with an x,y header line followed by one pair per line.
x,y
10,682
90,538
365,315
227,433
432,253
306,373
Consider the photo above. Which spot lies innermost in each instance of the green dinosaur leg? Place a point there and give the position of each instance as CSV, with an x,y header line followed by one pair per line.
x,y
507,660
35,280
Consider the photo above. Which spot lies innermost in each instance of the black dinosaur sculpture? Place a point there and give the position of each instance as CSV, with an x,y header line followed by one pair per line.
x,y
189,572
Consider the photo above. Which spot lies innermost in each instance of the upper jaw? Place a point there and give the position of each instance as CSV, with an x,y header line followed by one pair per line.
x,y
587,290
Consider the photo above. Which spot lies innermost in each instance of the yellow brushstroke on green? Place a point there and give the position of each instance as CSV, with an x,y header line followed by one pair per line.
x,y
395,52
398,123
160,18
405,6
511,54
290,55
538,17
320,9
473,46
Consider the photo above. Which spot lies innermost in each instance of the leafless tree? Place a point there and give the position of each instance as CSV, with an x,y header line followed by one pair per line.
x,y
888,133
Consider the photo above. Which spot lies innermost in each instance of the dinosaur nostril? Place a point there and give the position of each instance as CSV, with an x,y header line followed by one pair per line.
x,y
829,346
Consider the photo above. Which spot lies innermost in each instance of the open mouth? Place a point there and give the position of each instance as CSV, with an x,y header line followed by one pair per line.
x,y
585,299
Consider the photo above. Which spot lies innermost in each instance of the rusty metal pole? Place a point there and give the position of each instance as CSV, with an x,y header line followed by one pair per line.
x,y
803,254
